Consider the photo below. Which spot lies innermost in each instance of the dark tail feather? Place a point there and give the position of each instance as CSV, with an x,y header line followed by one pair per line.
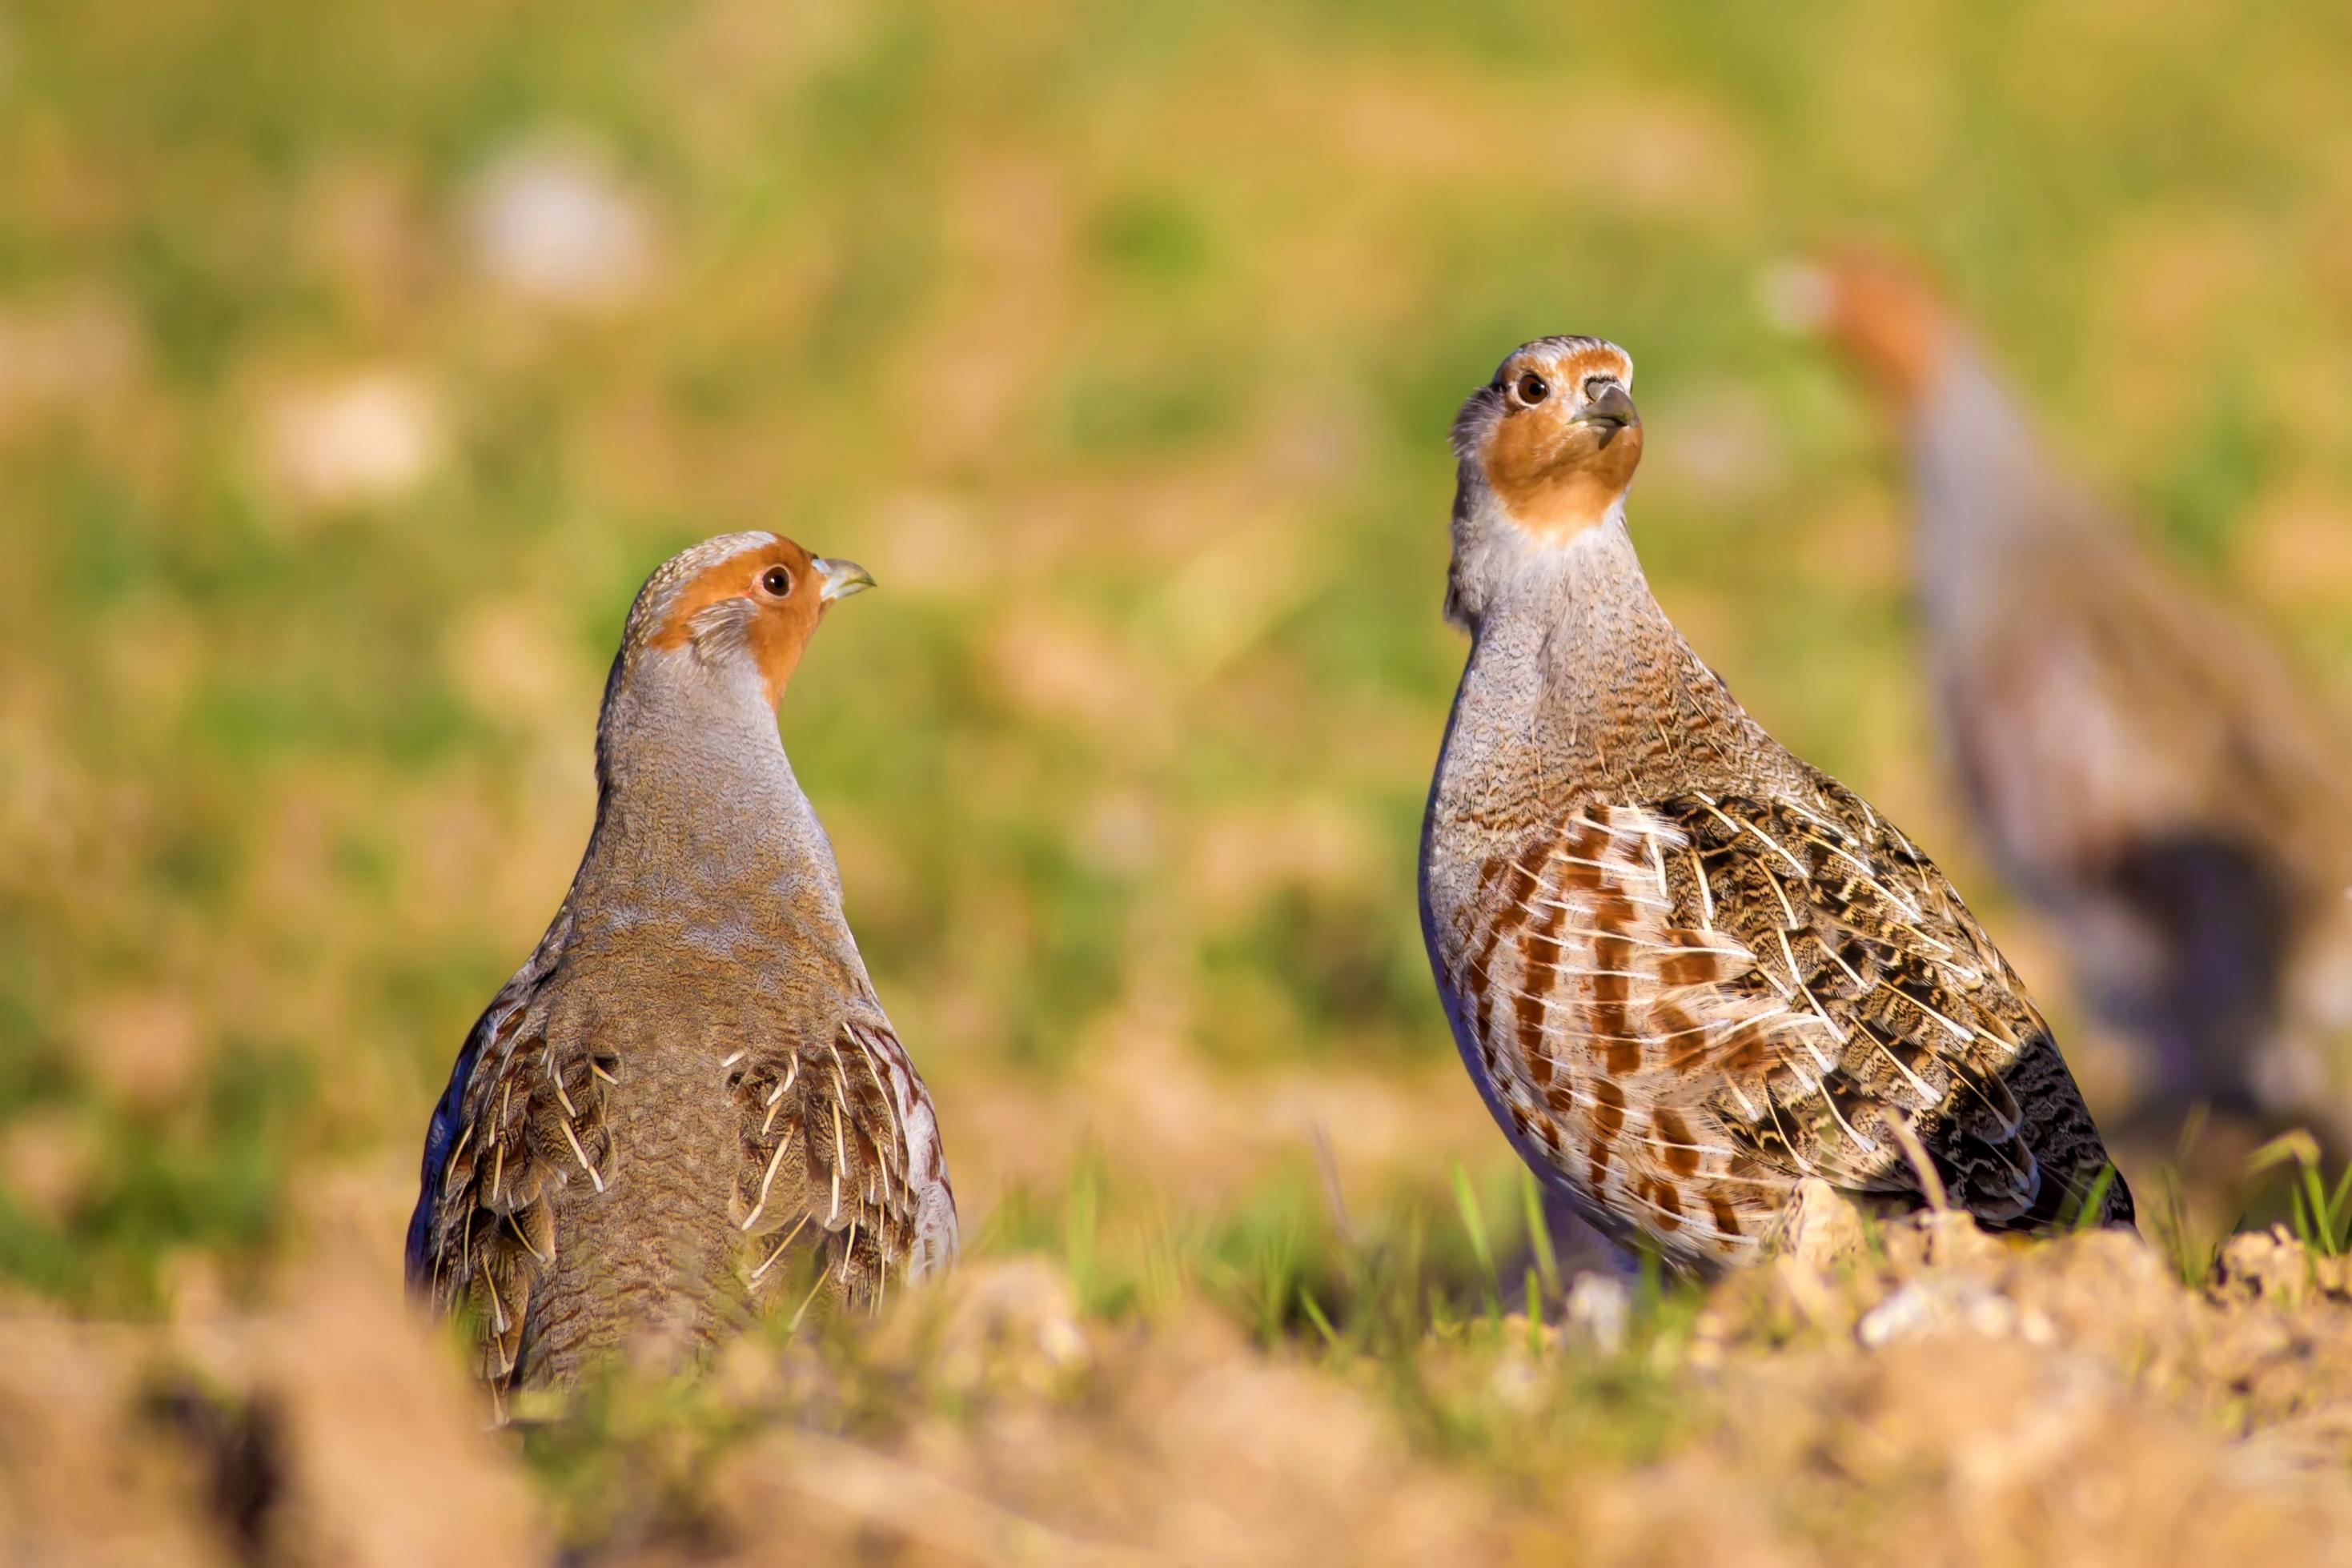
x,y
2073,1163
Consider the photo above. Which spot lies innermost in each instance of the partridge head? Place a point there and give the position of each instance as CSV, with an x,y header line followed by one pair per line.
x,y
1883,316
1547,450
741,607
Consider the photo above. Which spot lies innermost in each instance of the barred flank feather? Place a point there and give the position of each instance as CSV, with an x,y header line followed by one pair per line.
x,y
1688,1005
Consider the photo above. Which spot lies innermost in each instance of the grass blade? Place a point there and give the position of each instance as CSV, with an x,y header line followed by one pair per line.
x,y
1474,1221
2095,1199
1539,1233
2323,1223
1313,1310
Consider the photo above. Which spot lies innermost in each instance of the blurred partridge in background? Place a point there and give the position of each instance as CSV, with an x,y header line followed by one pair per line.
x,y
1688,970
2143,764
689,1103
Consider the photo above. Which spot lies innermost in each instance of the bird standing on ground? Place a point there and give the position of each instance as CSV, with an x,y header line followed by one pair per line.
x,y
2144,767
1685,969
690,1094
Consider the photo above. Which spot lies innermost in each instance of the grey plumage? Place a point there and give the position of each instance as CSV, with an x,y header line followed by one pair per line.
x,y
690,1094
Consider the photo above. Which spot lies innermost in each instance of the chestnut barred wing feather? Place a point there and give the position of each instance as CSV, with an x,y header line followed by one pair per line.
x,y
1686,1005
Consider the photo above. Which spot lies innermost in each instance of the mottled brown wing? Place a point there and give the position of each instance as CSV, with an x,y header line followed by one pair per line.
x,y
533,1120
842,1175
840,1181
1688,1004
1918,1021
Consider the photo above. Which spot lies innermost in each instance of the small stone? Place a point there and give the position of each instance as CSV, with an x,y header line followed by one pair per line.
x,y
2263,1265
1598,1307
1941,1303
1907,1313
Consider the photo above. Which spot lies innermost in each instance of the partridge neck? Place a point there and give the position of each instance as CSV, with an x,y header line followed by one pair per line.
x,y
698,810
1572,665
1991,514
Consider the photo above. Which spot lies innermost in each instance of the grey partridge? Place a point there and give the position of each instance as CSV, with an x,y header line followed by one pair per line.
x,y
690,1094
1687,970
2142,764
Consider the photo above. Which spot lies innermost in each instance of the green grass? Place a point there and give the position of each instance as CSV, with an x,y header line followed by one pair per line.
x,y
1120,342
2321,1211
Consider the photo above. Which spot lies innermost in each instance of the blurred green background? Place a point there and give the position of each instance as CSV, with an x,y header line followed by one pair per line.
x,y
358,361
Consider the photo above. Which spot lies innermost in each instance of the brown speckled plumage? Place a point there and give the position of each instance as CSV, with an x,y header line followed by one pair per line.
x,y
1686,969
687,1106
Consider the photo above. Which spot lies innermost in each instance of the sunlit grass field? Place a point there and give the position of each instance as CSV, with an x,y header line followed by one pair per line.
x,y
358,361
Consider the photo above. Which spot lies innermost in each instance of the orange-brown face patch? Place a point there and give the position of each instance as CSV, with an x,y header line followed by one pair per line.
x,y
1888,321
1557,477
780,628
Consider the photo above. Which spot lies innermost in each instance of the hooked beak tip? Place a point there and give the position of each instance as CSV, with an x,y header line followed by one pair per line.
x,y
842,579
1610,413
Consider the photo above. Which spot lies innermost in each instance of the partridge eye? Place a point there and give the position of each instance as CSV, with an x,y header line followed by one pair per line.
x,y
1532,388
776,580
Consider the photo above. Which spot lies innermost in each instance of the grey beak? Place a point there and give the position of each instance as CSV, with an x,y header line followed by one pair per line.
x,y
1610,413
841,578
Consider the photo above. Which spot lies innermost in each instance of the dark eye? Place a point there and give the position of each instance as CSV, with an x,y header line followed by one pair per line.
x,y
776,580
1532,388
